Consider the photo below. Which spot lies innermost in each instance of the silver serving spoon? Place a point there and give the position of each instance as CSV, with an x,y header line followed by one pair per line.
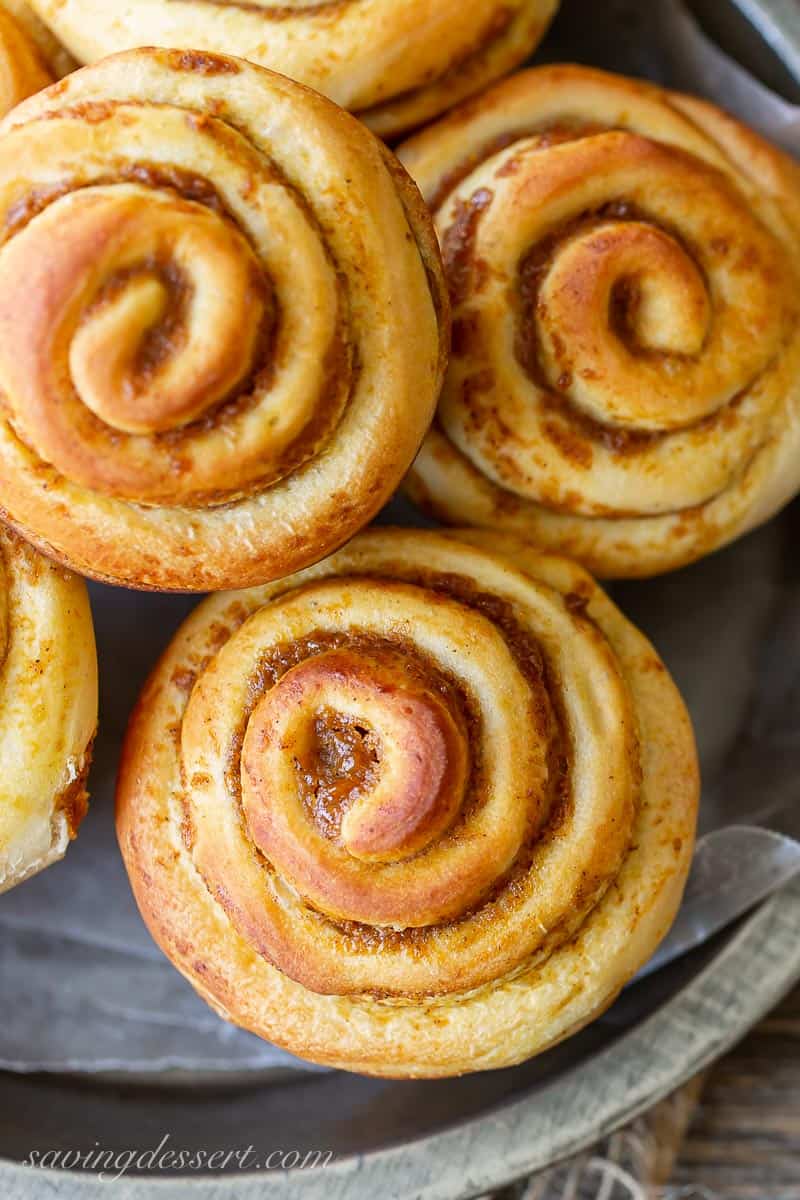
x,y
733,870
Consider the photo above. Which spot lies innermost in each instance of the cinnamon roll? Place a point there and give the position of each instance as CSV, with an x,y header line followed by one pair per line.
x,y
51,53
48,708
23,69
624,266
422,809
223,323
396,63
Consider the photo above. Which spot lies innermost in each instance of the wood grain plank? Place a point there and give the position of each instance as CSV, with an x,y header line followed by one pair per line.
x,y
732,1133
744,1141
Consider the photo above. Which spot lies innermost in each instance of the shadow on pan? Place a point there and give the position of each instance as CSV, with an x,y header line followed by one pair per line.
x,y
345,1114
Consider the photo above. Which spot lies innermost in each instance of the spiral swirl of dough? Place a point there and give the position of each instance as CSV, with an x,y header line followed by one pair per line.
x,y
396,63
48,708
222,322
434,805
624,266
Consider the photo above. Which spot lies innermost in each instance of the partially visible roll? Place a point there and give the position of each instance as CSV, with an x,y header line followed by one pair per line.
x,y
48,708
223,322
624,267
396,63
420,810
56,58
23,67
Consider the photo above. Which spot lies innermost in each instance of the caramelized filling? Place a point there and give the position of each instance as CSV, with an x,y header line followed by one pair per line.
x,y
532,271
458,242
551,135
338,767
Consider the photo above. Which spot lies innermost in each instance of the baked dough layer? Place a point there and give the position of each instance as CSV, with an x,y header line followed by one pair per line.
x,y
48,708
624,265
396,63
420,810
23,66
223,322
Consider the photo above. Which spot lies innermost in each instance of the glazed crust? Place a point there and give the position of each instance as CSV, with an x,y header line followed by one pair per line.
x,y
223,323
624,264
396,63
48,708
420,810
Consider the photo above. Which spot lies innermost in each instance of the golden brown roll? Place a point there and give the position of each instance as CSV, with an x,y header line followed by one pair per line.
x,y
396,63
48,708
22,68
50,53
223,322
420,810
624,266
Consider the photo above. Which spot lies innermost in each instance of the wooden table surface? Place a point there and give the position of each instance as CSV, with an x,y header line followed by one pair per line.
x,y
744,1140
731,1134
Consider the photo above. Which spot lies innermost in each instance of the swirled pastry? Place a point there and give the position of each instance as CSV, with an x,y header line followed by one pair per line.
x,y
397,63
421,809
48,708
624,265
223,323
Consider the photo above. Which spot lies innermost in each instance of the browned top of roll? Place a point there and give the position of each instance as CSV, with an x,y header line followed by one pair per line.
x,y
623,264
396,63
399,791
223,324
